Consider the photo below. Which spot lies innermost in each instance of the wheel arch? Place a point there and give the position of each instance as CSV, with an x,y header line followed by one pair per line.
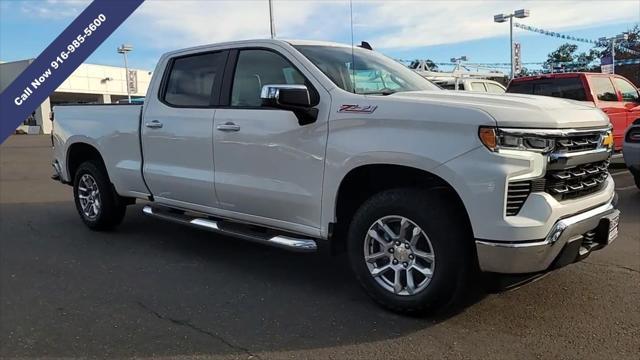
x,y
363,181
79,152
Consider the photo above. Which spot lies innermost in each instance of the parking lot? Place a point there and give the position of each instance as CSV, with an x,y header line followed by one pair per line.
x,y
157,289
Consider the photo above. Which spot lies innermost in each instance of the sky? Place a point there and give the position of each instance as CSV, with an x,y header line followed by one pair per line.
x,y
437,30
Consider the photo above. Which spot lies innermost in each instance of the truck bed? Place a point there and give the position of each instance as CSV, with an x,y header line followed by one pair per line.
x,y
114,130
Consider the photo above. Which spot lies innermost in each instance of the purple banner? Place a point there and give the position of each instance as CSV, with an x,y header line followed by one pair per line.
x,y
54,65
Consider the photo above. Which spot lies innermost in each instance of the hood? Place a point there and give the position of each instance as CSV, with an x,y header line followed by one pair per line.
x,y
518,110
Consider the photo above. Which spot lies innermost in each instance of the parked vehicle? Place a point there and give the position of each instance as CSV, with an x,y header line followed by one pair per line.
x,y
461,78
471,84
613,94
134,100
631,150
279,143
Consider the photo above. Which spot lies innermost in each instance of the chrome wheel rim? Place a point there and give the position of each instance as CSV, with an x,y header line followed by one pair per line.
x,y
399,255
89,196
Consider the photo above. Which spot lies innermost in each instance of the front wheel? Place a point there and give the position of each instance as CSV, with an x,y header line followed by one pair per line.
x,y
96,201
409,249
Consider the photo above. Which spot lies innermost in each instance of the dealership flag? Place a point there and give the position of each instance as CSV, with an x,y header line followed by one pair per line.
x,y
54,65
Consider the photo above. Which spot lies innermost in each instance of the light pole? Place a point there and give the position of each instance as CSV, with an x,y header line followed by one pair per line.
x,y
500,18
619,37
271,24
124,49
458,61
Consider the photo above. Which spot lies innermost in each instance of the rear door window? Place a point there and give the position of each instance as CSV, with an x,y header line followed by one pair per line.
x,y
493,88
191,80
566,88
451,86
478,86
602,88
629,92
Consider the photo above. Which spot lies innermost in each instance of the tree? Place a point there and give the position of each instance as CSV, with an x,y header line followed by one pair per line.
x,y
566,53
525,72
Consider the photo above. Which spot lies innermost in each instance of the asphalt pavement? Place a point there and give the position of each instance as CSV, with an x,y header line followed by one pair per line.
x,y
157,289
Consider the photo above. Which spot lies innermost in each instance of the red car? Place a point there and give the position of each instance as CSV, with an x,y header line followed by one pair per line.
x,y
613,94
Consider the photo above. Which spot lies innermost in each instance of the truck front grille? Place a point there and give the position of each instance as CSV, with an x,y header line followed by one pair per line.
x,y
574,182
577,166
575,143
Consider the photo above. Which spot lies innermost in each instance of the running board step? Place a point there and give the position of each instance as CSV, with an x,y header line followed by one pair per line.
x,y
232,229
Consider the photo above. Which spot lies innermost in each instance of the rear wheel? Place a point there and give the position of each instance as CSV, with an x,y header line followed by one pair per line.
x,y
409,249
96,201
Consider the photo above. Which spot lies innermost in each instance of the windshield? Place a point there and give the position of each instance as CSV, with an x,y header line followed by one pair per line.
x,y
373,73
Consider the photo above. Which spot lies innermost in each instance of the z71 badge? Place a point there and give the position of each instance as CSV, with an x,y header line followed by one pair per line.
x,y
357,109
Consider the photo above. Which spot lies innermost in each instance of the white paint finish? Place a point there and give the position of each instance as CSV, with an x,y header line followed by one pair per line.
x,y
178,157
113,131
518,110
272,167
276,173
480,177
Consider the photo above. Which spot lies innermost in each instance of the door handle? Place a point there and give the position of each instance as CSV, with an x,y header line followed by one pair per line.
x,y
228,126
155,124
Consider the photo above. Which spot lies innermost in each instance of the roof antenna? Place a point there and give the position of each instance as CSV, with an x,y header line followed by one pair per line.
x,y
353,57
365,45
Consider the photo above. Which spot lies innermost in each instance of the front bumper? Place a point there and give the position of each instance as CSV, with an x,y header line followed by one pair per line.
x,y
570,239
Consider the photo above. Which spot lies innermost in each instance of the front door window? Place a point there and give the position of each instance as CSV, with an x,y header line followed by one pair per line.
x,y
257,68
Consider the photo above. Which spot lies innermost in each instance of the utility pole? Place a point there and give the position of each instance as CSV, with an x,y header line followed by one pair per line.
x,y
613,56
513,65
272,25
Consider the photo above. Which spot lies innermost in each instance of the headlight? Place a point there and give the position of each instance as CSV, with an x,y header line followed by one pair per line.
x,y
495,139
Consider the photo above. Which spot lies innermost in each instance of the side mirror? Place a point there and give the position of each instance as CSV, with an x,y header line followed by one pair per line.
x,y
295,98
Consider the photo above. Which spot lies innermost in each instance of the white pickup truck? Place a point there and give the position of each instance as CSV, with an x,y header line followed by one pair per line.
x,y
302,145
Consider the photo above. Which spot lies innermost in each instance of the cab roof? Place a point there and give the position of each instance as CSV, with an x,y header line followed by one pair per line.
x,y
260,41
556,76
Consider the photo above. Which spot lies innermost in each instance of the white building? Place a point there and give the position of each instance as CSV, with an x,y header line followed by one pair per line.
x,y
87,84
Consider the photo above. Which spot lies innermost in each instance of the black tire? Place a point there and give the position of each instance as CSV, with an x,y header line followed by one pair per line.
x,y
112,207
434,212
636,178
